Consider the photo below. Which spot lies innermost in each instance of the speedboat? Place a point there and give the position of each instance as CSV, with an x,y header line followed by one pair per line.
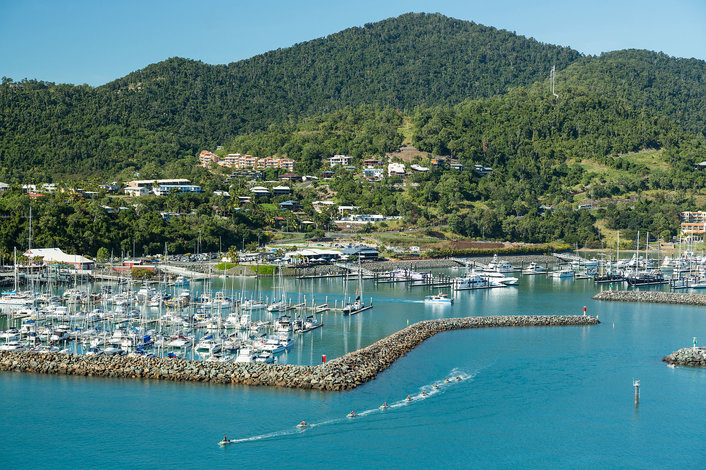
x,y
438,299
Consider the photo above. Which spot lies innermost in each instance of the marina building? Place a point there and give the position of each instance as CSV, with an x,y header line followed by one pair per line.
x,y
56,256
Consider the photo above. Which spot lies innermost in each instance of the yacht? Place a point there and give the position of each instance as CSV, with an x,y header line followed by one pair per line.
x,y
499,278
564,273
12,346
246,355
180,342
499,266
209,346
534,268
474,281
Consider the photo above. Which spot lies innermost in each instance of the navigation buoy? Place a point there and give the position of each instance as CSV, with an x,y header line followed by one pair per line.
x,y
636,384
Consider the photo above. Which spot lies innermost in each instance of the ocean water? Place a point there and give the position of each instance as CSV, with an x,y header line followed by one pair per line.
x,y
516,398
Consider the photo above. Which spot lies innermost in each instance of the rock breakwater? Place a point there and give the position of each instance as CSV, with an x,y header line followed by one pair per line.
x,y
651,297
343,373
689,357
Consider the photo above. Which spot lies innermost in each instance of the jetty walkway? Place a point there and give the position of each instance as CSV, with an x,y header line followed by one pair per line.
x,y
677,298
344,373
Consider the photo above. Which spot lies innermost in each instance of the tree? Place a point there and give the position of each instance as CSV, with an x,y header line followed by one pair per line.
x,y
103,254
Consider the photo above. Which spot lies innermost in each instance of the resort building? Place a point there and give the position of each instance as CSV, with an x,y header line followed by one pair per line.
x,y
245,161
693,222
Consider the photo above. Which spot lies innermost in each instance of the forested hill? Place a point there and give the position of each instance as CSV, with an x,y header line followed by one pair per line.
x,y
179,106
673,87
167,112
415,59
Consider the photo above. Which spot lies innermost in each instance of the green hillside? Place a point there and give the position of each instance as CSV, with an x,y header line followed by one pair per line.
x,y
176,107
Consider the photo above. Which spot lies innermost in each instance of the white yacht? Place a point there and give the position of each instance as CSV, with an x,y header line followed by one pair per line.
x,y
499,266
209,346
246,355
534,268
564,273
499,278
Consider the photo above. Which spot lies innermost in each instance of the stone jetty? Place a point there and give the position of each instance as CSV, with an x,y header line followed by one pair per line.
x,y
689,357
651,297
343,373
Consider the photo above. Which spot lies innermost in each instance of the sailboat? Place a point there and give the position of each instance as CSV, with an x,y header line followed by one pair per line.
x,y
357,305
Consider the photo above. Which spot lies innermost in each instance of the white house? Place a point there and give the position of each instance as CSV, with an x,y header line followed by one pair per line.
x,y
136,191
395,169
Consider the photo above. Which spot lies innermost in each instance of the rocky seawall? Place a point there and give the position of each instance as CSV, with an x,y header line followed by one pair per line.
x,y
343,373
688,357
651,297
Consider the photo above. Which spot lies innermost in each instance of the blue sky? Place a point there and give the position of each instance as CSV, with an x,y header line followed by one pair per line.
x,y
94,42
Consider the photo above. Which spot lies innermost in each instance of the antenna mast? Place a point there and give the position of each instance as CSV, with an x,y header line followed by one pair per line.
x,y
552,76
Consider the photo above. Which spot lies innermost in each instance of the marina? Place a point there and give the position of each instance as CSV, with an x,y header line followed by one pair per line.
x,y
508,374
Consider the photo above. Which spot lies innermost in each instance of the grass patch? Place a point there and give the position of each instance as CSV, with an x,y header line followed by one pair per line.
x,y
225,266
266,269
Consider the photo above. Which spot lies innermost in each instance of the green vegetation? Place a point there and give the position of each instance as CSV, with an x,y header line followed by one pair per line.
x,y
622,135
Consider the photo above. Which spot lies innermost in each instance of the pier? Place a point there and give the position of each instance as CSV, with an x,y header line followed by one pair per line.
x,y
344,373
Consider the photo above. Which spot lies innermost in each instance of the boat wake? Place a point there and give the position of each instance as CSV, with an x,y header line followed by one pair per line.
x,y
456,376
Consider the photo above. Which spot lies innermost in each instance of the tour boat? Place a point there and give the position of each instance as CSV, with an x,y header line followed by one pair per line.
x,y
438,299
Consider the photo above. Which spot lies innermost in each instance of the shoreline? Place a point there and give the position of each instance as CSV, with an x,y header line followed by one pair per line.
x,y
343,373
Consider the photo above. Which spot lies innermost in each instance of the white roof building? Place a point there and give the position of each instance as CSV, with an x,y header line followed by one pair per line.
x,y
395,169
55,255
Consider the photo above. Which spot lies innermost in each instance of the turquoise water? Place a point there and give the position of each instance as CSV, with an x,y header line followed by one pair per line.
x,y
528,397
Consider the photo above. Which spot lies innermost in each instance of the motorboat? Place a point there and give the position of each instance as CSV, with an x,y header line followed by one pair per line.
x,y
12,346
209,346
534,268
474,281
351,414
498,277
499,266
438,299
565,273
264,357
273,346
180,342
246,355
